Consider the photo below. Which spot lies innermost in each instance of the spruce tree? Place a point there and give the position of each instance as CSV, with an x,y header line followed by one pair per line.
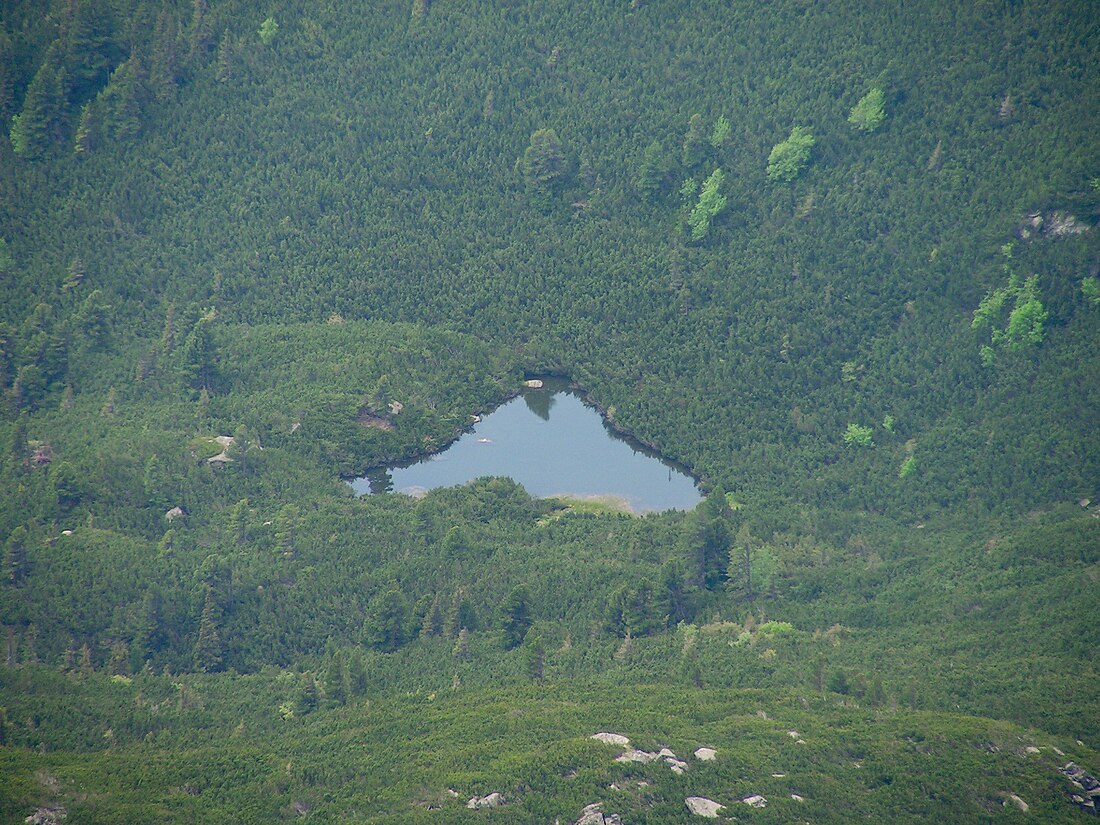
x,y
86,666
144,628
707,540
19,440
742,553
196,356
651,171
534,657
89,48
30,645
336,679
543,165
41,120
164,64
307,699
68,660
515,616
123,100
7,76
433,619
459,615
224,71
286,531
357,673
207,653
16,563
119,663
386,622
200,29
238,522
462,645
695,142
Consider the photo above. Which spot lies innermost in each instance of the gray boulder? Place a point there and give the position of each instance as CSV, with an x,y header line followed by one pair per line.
x,y
701,806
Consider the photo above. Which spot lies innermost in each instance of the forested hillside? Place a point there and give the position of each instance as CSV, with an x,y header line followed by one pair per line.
x,y
841,260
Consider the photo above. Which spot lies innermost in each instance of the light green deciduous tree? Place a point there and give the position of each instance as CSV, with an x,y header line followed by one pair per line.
x,y
789,157
869,113
711,202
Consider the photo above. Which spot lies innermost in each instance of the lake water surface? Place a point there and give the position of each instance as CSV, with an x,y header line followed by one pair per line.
x,y
549,441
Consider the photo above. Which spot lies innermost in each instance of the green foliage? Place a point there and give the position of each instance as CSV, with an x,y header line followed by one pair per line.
x,y
908,467
543,164
337,683
196,358
789,157
387,621
208,645
869,113
859,436
706,537
1090,288
15,556
1025,323
515,616
688,189
652,171
306,699
710,204
268,30
534,657
352,213
739,572
118,109
694,144
41,121
721,133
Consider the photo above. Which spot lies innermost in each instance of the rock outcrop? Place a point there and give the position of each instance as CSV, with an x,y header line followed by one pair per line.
x,y
676,764
594,815
47,816
611,739
1054,224
701,806
706,754
1086,794
493,800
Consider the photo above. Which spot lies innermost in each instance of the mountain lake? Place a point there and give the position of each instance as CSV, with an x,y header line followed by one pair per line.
x,y
548,440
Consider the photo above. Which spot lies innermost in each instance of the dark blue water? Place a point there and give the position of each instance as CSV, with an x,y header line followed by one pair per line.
x,y
554,445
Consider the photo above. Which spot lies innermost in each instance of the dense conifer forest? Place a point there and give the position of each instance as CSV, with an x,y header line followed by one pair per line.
x,y
841,260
